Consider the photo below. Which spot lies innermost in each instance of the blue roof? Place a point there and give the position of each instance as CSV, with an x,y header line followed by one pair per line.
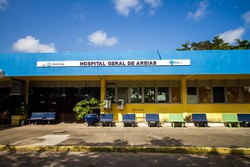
x,y
202,62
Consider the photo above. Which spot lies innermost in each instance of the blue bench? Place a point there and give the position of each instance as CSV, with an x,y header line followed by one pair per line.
x,y
49,116
244,119
36,116
106,118
199,119
128,118
42,116
154,118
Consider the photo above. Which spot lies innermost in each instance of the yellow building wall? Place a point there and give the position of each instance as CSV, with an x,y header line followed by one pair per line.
x,y
213,111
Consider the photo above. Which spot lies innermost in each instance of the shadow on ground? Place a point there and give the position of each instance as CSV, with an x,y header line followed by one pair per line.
x,y
166,141
91,159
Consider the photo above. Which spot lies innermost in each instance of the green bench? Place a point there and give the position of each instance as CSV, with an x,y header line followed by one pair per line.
x,y
230,118
176,118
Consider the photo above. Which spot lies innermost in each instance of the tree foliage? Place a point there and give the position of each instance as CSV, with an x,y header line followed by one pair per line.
x,y
86,106
216,44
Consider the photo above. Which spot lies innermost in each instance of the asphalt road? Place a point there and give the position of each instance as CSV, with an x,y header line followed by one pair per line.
x,y
103,159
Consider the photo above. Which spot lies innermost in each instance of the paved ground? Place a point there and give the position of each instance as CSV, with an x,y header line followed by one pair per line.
x,y
79,135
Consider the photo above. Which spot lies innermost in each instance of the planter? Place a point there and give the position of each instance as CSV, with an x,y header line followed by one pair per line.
x,y
91,119
16,119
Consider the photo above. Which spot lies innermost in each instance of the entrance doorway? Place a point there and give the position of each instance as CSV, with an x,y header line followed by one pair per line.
x,y
60,100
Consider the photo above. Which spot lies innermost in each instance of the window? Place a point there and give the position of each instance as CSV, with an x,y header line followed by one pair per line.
x,y
163,95
122,94
176,94
149,95
145,91
192,95
218,95
233,95
110,93
245,94
205,94
135,95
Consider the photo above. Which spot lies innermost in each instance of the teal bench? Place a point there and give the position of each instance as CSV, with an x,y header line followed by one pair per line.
x,y
230,118
176,118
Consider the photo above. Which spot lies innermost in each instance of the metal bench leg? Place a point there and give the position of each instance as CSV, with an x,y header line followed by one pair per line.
x,y
230,125
174,125
132,124
238,125
182,124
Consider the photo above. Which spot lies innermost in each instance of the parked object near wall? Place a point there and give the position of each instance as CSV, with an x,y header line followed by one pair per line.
x,y
20,114
91,119
85,108
5,117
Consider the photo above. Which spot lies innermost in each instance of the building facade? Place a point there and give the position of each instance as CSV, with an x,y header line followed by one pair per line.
x,y
211,82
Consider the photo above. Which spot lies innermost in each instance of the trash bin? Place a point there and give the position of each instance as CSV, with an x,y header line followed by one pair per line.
x,y
91,119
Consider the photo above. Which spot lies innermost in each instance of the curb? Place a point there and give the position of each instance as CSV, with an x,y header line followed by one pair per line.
x,y
135,149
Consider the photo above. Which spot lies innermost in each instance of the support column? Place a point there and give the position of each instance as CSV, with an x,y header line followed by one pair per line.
x,y
27,92
184,94
103,93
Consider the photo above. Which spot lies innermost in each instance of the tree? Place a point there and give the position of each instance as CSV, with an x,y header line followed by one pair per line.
x,y
216,44
244,44
86,106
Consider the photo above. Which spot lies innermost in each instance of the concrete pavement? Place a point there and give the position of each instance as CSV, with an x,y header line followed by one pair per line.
x,y
79,137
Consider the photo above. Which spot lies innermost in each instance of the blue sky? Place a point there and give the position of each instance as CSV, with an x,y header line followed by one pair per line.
x,y
118,25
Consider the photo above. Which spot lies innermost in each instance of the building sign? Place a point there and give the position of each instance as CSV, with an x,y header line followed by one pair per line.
x,y
114,63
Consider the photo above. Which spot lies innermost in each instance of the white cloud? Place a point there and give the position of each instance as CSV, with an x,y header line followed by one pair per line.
x,y
246,17
153,3
30,44
125,6
100,38
230,35
200,13
80,16
3,4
